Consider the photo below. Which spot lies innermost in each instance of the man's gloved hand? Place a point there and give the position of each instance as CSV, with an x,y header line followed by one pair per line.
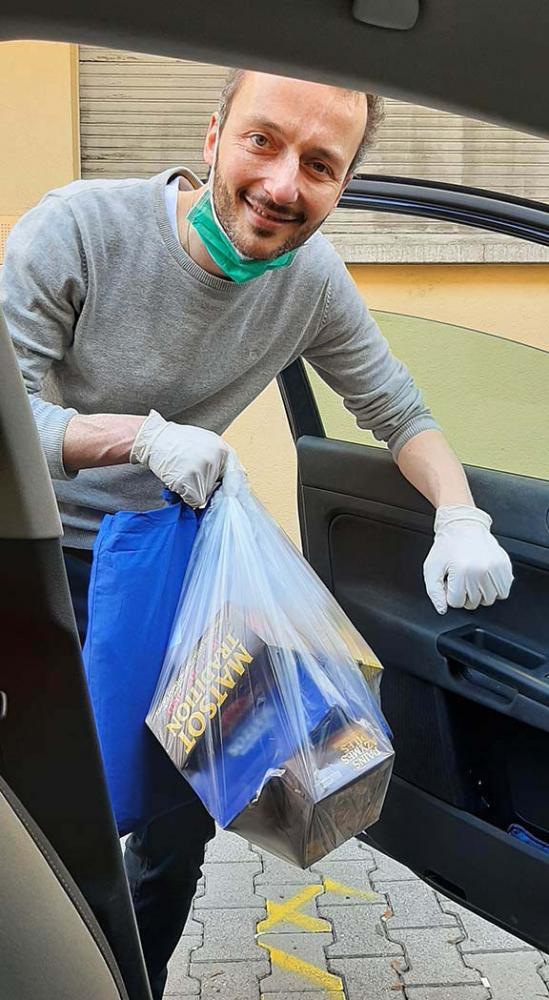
x,y
466,565
188,460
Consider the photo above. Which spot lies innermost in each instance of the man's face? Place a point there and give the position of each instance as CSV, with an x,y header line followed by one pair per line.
x,y
282,161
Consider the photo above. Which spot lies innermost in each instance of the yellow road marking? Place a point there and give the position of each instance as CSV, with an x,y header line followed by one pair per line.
x,y
290,963
288,912
347,890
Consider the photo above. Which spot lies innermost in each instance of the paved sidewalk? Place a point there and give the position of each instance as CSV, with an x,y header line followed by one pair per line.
x,y
357,926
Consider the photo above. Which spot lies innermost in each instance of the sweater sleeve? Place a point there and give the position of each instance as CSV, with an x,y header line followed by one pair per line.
x,y
353,357
42,291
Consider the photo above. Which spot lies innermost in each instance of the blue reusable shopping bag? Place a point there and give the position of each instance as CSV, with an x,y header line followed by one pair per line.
x,y
136,581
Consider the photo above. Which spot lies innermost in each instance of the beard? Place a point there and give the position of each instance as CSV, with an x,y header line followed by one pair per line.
x,y
227,213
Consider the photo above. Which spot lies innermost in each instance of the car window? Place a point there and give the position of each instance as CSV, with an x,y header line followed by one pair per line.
x,y
476,340
465,309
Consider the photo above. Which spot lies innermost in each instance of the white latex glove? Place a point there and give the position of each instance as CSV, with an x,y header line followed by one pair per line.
x,y
188,460
466,565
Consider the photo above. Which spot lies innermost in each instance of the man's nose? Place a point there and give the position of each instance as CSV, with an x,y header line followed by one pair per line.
x,y
282,181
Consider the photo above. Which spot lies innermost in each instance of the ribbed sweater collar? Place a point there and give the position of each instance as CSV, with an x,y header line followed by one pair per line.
x,y
158,185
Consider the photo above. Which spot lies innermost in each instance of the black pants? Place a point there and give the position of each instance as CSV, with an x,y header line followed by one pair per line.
x,y
162,859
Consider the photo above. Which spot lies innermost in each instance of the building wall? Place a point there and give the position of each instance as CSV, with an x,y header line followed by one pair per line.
x,y
506,300
38,124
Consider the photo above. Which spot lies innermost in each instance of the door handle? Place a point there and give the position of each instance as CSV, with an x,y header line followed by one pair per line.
x,y
503,660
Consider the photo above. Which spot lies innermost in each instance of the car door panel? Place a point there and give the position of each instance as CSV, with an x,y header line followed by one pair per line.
x,y
471,751
467,693
467,860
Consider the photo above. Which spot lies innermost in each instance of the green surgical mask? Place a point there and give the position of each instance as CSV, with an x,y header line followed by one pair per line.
x,y
221,249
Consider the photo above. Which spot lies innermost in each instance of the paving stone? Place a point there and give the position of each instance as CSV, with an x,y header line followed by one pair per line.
x,y
358,932
229,980
511,975
369,978
305,899
229,885
193,928
448,993
352,876
227,846
276,870
388,870
180,982
414,904
433,957
307,995
231,939
481,934
298,962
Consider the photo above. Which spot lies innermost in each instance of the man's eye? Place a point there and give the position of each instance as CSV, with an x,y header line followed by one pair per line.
x,y
259,140
319,168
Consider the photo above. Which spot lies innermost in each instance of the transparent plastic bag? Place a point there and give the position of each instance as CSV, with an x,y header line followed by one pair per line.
x,y
268,699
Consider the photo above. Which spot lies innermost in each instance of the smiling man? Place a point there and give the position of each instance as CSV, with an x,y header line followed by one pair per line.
x,y
281,171
147,314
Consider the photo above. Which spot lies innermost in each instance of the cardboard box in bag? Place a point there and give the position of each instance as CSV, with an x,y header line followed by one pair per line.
x,y
269,745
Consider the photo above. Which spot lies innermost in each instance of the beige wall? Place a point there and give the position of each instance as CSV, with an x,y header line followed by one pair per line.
x,y
261,436
508,300
38,124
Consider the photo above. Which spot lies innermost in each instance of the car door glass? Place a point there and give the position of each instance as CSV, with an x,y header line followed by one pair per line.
x,y
462,307
474,337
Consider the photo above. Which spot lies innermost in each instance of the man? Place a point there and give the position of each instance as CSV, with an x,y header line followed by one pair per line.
x,y
147,314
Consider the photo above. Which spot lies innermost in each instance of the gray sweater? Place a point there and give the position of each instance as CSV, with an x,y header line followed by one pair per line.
x,y
108,314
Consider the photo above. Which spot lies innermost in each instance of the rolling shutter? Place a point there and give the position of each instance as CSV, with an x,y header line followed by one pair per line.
x,y
140,114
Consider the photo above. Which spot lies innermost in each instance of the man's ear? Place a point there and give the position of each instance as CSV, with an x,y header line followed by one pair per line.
x,y
208,151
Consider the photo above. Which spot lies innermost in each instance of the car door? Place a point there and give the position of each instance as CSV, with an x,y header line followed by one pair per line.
x,y
466,694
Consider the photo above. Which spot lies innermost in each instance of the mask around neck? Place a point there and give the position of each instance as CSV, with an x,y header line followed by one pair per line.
x,y
203,218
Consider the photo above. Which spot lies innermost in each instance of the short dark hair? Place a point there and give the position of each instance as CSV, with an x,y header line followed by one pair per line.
x,y
374,104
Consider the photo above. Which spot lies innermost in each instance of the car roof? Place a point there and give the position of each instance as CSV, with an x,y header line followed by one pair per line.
x,y
484,59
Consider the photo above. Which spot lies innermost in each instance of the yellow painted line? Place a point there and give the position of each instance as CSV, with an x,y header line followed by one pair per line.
x,y
325,995
347,890
290,963
289,912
